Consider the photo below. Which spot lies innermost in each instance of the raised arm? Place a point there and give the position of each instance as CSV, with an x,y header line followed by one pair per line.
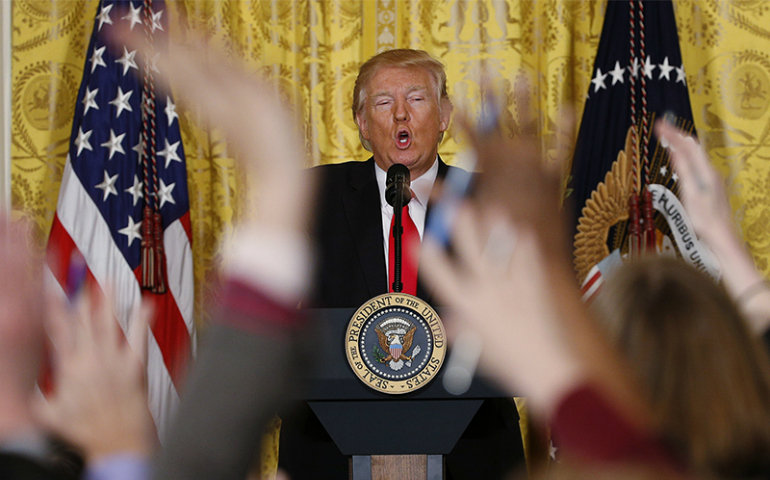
x,y
510,281
705,199
247,364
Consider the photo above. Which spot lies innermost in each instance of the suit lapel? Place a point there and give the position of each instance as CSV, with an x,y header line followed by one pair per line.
x,y
362,210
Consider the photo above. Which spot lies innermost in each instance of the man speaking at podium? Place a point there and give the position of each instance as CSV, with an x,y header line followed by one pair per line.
x,y
402,110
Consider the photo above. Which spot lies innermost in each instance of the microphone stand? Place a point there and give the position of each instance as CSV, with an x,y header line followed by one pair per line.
x,y
398,206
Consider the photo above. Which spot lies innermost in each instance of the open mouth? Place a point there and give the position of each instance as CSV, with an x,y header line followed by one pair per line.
x,y
403,139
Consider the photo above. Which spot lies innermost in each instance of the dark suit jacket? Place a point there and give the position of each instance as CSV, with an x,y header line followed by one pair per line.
x,y
351,270
349,237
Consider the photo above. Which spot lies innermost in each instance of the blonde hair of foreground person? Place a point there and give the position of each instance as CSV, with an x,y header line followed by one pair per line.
x,y
706,376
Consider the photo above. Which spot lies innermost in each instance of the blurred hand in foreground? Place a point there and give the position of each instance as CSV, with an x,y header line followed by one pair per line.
x,y
267,265
21,329
99,403
703,191
512,282
248,111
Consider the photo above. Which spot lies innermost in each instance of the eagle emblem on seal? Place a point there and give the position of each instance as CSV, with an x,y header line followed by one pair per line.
x,y
396,335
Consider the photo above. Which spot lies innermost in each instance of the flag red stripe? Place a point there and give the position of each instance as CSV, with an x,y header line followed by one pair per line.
x,y
185,221
169,327
170,332
587,286
59,251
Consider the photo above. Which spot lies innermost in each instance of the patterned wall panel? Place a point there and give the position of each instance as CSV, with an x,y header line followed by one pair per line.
x,y
725,49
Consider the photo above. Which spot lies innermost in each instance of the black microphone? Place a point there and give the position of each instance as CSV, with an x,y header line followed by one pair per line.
x,y
397,184
397,194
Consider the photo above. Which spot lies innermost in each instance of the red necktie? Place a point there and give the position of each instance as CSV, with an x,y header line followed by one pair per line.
x,y
409,257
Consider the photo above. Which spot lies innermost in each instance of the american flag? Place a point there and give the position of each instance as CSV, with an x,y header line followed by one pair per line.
x,y
104,192
650,80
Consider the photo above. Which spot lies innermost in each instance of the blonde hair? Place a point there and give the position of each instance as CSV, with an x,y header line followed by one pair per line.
x,y
402,58
706,375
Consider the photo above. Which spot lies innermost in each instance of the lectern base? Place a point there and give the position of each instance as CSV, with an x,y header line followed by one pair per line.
x,y
402,467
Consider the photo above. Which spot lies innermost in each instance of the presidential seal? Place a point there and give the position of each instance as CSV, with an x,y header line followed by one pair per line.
x,y
395,343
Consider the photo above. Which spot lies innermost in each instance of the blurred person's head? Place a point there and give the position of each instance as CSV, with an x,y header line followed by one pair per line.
x,y
707,377
402,109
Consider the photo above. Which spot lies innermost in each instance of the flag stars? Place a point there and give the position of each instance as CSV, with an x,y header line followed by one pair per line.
x,y
164,192
648,68
170,111
89,100
108,185
97,58
170,153
664,170
635,68
115,143
617,73
665,70
675,177
680,77
598,80
134,16
552,450
82,140
131,231
138,148
135,190
156,25
104,16
154,63
121,101
127,60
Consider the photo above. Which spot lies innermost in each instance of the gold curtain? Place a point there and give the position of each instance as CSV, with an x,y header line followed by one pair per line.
x,y
725,49
311,51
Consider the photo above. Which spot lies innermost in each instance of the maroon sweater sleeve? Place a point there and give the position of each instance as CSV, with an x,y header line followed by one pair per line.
x,y
587,428
246,308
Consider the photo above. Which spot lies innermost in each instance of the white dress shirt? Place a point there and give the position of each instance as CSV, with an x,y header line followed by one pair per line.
x,y
418,207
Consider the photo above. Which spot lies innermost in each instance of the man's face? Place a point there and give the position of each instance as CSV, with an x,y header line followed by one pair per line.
x,y
402,119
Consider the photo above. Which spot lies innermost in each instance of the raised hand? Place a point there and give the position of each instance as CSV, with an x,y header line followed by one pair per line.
x,y
706,202
248,111
99,402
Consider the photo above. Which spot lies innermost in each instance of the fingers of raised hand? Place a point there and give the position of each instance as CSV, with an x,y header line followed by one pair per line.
x,y
696,174
439,270
248,111
58,323
498,249
138,330
468,241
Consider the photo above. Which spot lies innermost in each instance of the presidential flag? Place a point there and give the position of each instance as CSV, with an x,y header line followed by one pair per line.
x,y
123,203
638,77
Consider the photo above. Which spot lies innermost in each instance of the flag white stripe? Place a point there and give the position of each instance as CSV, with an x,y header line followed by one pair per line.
x,y
179,264
594,275
105,261
161,393
591,291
